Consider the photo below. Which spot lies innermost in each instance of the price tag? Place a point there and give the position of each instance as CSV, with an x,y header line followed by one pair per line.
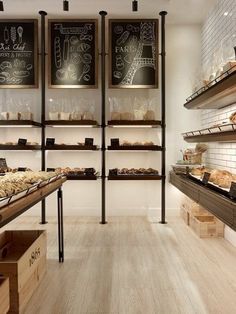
x,y
50,169
3,163
50,141
22,169
232,191
88,141
22,141
206,178
115,142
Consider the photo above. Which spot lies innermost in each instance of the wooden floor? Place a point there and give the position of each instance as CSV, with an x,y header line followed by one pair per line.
x,y
133,266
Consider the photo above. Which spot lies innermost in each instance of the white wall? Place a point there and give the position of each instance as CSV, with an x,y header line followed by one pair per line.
x,y
124,198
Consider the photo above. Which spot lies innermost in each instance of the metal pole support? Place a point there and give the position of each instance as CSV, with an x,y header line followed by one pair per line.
x,y
60,225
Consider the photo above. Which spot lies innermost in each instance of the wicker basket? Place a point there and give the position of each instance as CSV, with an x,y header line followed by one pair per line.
x,y
193,158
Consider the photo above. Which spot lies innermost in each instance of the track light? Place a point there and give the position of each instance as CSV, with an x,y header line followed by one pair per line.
x,y
1,6
65,5
135,5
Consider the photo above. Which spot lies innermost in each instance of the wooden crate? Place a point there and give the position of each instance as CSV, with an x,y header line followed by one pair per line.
x,y
184,214
194,208
4,295
24,264
207,226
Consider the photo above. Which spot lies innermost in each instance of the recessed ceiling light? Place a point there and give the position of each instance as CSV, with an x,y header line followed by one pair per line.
x,y
226,13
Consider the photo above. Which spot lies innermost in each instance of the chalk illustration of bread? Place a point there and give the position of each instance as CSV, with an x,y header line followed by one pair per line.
x,y
57,52
122,39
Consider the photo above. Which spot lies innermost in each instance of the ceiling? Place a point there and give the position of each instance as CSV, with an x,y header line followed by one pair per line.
x,y
179,11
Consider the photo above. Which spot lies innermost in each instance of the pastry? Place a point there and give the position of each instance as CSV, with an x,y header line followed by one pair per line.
x,y
137,144
198,171
127,116
115,115
232,118
87,115
149,115
148,143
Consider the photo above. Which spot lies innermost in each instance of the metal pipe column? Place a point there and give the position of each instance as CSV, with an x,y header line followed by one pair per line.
x,y
163,118
43,102
103,112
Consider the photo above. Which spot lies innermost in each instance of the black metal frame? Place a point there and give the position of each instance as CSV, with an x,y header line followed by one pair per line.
x,y
163,117
103,112
43,105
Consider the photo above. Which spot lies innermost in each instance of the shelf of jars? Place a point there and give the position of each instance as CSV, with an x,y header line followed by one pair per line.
x,y
220,133
218,93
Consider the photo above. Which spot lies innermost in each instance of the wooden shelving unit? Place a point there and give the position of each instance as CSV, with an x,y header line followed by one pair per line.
x,y
222,133
68,123
219,95
82,177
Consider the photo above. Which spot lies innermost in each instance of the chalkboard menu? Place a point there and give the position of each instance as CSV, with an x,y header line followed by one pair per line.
x,y
133,53
18,53
73,53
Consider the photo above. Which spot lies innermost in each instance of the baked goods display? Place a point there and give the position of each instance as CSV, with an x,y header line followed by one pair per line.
x,y
19,184
9,115
76,171
220,178
144,143
232,118
16,143
133,171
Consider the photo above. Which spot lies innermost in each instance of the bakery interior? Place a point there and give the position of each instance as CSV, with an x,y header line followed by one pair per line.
x,y
117,156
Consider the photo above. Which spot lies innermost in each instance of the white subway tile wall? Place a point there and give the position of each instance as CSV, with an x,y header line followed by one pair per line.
x,y
220,23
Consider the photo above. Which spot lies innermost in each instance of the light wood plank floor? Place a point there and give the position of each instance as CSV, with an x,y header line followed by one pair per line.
x,y
133,266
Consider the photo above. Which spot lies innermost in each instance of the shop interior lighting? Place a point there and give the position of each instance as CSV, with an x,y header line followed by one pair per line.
x,y
1,6
135,5
65,5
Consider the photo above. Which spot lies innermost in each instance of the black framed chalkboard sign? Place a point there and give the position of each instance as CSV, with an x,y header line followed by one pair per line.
x,y
73,53
133,53
18,53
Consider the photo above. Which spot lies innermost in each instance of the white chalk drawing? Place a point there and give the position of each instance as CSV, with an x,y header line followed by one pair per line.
x,y
75,58
13,34
20,33
6,35
62,74
21,74
87,58
123,38
86,78
128,58
29,67
86,69
74,40
76,30
119,63
83,47
57,52
132,28
117,74
86,37
147,39
19,63
118,29
5,65
66,49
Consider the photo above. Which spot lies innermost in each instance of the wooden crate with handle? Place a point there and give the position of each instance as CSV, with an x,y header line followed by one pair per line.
x,y
24,262
207,226
4,295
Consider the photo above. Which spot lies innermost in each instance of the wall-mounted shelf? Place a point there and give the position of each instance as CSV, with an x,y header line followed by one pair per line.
x,y
219,95
134,123
72,123
222,133
72,147
135,177
219,205
19,123
20,147
135,148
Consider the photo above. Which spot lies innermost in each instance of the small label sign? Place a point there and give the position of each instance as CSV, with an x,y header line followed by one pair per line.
x,y
3,163
88,141
22,169
115,142
22,141
50,169
50,141
232,191
206,178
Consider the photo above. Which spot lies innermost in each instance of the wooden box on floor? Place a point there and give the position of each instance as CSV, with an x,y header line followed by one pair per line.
x,y
193,208
4,295
24,262
207,226
184,214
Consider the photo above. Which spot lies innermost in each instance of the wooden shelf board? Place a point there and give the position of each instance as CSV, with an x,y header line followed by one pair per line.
x,y
72,147
20,147
135,177
226,136
79,178
219,95
71,123
20,123
136,147
137,123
